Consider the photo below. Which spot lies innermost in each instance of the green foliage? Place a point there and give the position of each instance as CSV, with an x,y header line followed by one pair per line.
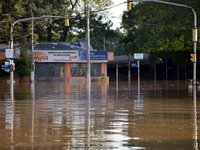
x,y
161,30
95,80
53,29
102,37
50,29
23,65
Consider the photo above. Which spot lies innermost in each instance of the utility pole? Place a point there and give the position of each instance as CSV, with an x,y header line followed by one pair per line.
x,y
32,54
129,68
88,44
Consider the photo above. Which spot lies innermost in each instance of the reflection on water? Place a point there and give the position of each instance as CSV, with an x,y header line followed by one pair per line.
x,y
62,116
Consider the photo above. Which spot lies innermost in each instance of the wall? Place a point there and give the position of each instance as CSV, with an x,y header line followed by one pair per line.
x,y
70,79
2,57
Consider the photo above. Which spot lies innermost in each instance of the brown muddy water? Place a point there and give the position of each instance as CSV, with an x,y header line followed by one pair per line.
x,y
49,116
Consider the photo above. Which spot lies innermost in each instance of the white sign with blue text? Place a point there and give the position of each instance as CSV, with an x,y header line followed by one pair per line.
x,y
138,56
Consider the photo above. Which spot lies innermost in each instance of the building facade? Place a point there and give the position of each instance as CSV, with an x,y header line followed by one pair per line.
x,y
67,61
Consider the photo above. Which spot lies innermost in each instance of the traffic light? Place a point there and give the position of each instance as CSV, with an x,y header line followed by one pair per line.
x,y
13,66
9,44
192,57
67,21
128,5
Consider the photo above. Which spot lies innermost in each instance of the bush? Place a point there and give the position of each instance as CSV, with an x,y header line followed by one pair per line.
x,y
95,80
23,65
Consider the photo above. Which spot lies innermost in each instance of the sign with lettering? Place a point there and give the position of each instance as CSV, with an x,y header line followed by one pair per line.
x,y
9,53
69,56
134,65
138,56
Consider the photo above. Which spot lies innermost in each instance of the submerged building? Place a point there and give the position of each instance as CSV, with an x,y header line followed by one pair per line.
x,y
67,61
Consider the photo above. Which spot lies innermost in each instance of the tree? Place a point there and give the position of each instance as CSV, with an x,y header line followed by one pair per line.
x,y
102,37
9,12
46,29
23,65
161,30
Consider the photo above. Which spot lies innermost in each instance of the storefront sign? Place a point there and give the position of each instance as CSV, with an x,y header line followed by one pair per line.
x,y
69,56
55,56
94,56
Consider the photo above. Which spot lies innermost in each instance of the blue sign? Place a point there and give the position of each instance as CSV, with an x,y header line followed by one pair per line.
x,y
134,65
94,55
98,55
5,67
11,62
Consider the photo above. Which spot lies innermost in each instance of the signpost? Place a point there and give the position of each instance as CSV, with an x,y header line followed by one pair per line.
x,y
138,56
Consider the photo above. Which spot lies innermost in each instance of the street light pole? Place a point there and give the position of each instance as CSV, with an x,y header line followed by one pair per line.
x,y
22,20
195,31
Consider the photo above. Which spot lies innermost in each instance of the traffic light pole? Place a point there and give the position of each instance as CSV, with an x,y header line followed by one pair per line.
x,y
11,37
194,31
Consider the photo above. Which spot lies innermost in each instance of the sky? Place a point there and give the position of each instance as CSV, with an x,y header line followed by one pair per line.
x,y
117,11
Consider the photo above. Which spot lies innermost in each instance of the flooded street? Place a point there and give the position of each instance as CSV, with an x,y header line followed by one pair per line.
x,y
54,115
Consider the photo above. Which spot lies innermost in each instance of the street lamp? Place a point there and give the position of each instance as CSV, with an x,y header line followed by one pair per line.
x,y
194,31
11,38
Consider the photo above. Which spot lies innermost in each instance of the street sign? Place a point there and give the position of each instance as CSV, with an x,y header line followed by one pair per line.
x,y
5,67
138,56
134,65
9,53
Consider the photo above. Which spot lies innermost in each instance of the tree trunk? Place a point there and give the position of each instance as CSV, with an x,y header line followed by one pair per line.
x,y
49,28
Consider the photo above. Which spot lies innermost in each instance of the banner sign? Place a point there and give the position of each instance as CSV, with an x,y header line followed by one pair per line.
x,y
94,56
69,56
98,55
55,56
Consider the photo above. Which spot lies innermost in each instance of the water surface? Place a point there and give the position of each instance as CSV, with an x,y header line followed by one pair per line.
x,y
54,115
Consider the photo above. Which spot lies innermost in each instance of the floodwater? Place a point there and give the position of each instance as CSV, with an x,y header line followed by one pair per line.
x,y
52,115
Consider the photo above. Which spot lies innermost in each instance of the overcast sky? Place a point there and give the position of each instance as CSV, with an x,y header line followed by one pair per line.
x,y
117,11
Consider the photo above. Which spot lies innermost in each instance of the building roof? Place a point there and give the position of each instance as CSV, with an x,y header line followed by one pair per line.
x,y
123,61
50,46
59,46
5,46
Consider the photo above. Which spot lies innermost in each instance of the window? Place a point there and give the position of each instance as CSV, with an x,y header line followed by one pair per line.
x,y
80,70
